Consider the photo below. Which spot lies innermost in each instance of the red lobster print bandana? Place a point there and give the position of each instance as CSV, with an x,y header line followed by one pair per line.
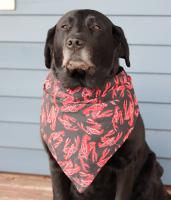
x,y
83,128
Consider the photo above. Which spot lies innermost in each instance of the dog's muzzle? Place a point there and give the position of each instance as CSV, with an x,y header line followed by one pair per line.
x,y
80,66
76,56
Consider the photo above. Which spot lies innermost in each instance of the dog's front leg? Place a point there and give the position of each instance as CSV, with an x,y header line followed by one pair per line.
x,y
124,183
60,182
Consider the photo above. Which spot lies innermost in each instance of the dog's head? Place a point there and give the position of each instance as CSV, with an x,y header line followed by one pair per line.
x,y
84,47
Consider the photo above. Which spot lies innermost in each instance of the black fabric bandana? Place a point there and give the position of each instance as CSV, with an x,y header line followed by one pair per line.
x,y
83,128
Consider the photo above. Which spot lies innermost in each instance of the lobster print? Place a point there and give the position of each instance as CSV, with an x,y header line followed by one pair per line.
x,y
83,128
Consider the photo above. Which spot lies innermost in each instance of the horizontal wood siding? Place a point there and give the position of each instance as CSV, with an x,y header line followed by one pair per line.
x,y
17,109
35,162
147,25
30,139
145,59
122,7
32,84
157,28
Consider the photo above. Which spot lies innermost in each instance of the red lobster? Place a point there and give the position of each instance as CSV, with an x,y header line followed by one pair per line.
x,y
104,158
117,118
84,180
96,111
68,122
52,117
109,141
56,138
72,108
93,130
86,93
69,167
70,150
85,150
129,112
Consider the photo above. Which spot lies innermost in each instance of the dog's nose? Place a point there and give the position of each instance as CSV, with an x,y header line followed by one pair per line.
x,y
75,43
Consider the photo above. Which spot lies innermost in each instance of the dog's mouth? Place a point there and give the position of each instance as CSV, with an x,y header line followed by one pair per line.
x,y
77,64
78,61
78,74
79,67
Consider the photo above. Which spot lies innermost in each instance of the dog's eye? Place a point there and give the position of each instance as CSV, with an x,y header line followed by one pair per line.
x,y
97,27
65,27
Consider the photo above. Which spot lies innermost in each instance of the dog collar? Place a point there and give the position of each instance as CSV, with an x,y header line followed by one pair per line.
x,y
83,128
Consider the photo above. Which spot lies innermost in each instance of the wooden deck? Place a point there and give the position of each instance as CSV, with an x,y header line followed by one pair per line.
x,y
26,187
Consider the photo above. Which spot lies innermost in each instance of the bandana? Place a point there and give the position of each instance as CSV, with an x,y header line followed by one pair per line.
x,y
83,128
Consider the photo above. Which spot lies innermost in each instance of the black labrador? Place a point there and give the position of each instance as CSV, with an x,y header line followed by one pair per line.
x,y
83,49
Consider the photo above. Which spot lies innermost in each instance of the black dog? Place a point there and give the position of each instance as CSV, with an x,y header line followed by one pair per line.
x,y
83,49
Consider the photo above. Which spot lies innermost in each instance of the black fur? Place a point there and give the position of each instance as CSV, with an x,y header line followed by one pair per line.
x,y
133,173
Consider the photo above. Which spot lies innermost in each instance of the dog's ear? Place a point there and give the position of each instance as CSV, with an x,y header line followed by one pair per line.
x,y
49,47
123,47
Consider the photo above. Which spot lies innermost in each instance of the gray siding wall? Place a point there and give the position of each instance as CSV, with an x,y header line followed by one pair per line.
x,y
147,25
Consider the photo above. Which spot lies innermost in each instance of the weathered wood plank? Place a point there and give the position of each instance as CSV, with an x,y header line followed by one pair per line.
x,y
24,187
27,187
168,188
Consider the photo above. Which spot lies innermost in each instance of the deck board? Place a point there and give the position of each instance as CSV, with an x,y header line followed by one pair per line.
x,y
27,187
